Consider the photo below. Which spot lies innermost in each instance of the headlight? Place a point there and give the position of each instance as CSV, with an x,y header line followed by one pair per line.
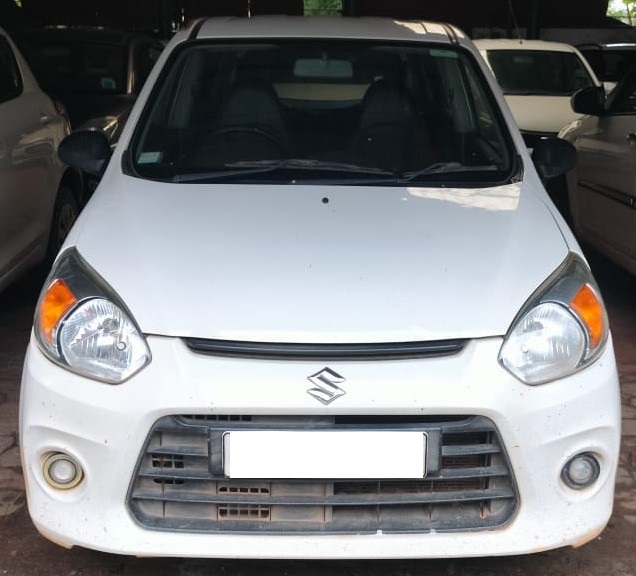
x,y
81,324
562,328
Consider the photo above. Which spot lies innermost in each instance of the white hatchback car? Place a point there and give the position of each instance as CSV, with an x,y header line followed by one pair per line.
x,y
320,306
538,78
39,196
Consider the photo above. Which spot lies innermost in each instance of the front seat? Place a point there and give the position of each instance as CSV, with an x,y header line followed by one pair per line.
x,y
386,136
249,128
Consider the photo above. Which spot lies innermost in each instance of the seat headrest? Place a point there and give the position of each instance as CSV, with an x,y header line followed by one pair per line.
x,y
252,105
385,102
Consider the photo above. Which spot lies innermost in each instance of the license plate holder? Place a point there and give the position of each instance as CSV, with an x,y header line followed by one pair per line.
x,y
333,454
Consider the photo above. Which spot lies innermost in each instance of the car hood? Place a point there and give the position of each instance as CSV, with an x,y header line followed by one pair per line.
x,y
541,113
332,264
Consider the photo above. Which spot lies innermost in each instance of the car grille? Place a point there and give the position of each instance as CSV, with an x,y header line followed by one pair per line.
x,y
178,484
366,351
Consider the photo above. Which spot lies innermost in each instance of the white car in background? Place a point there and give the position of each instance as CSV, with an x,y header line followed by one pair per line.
x,y
320,306
38,194
538,78
601,188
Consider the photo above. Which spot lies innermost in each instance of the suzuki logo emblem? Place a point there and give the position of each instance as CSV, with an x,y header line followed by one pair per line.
x,y
326,388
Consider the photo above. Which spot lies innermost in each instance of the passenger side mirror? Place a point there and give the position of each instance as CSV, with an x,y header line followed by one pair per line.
x,y
553,157
589,100
87,150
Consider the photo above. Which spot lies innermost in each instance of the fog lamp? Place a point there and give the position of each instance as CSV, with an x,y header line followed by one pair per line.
x,y
581,471
62,471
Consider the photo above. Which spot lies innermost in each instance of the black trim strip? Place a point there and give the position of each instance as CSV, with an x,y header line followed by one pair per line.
x,y
391,350
620,197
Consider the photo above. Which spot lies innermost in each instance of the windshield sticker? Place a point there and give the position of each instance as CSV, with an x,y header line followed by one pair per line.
x,y
444,53
150,157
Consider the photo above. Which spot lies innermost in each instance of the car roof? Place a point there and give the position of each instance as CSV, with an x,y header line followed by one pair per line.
x,y
518,44
330,27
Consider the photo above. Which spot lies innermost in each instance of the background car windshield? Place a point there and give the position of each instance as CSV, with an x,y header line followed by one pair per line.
x,y
538,72
77,68
421,111
623,99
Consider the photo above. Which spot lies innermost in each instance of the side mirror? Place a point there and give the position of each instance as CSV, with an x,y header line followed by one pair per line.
x,y
553,157
87,150
589,100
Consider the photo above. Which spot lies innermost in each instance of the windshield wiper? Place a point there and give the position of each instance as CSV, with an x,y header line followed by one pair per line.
x,y
444,168
248,168
363,174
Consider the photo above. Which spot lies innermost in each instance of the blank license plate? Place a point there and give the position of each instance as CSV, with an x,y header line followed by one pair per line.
x,y
324,454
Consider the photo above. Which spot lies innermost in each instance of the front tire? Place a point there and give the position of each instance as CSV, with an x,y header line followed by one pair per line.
x,y
65,213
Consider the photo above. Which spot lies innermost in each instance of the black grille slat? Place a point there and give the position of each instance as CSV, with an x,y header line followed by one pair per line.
x,y
176,474
359,500
483,472
469,484
455,450
285,350
445,474
184,452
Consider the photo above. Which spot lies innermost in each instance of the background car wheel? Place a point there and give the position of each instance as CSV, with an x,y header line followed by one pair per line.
x,y
64,216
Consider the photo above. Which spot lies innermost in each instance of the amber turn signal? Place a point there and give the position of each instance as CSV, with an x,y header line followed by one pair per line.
x,y
55,303
590,310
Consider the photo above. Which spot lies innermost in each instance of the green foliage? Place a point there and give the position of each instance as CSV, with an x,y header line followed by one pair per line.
x,y
624,10
322,7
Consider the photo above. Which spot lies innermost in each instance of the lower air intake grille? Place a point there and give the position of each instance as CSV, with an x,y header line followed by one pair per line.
x,y
177,485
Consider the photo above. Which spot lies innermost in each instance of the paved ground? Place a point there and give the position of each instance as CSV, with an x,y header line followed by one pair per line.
x,y
23,552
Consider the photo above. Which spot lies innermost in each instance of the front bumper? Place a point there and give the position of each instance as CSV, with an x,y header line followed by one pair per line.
x,y
107,430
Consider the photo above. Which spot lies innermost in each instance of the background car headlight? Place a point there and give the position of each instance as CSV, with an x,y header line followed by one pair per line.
x,y
562,328
82,326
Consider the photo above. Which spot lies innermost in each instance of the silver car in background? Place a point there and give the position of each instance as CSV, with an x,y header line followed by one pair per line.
x,y
602,186
39,196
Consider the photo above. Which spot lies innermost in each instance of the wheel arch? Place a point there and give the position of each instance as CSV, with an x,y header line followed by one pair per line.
x,y
74,180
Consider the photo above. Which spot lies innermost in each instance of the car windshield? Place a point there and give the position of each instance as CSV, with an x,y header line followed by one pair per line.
x,y
328,111
610,64
69,67
538,72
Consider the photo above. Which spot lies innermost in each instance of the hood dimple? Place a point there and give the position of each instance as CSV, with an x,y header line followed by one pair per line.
x,y
320,264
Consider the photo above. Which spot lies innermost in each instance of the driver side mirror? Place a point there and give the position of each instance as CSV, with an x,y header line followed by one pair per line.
x,y
87,150
553,157
589,100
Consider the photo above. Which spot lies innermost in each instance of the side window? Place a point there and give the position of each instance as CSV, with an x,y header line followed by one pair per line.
x,y
624,100
10,79
145,57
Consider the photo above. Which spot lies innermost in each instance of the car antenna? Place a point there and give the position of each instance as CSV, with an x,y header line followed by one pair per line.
x,y
514,21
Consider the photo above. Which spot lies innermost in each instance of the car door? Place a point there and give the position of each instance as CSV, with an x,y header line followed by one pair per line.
x,y
605,202
28,168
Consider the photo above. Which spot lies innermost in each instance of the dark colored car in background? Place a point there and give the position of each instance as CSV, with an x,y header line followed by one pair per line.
x,y
96,73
